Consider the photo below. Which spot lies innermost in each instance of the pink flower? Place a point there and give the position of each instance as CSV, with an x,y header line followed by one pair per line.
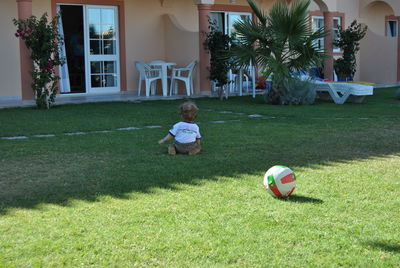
x,y
50,66
27,32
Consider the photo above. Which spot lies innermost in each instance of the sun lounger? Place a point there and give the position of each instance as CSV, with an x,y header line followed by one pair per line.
x,y
340,92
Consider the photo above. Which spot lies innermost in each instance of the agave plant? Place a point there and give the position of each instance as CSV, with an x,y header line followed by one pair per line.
x,y
280,43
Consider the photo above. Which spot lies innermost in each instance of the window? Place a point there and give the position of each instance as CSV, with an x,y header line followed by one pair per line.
x,y
318,23
392,28
337,23
225,20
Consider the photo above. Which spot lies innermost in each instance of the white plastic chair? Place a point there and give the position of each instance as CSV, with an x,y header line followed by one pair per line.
x,y
214,89
149,75
140,68
251,84
185,75
156,61
237,85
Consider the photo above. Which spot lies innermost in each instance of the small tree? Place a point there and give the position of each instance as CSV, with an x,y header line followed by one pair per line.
x,y
42,39
218,45
349,42
280,43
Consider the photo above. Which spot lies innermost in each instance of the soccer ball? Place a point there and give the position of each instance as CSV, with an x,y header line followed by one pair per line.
x,y
279,181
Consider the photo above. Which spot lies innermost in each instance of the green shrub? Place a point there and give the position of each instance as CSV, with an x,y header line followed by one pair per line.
x,y
349,43
298,92
218,45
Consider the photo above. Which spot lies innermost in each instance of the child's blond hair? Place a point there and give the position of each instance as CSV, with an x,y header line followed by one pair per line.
x,y
188,111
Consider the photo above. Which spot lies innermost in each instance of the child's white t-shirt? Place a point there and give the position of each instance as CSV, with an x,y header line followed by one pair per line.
x,y
185,132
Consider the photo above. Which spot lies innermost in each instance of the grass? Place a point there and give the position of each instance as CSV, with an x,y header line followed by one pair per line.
x,y
117,199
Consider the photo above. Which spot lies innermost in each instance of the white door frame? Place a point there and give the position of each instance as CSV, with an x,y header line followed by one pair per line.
x,y
88,57
101,58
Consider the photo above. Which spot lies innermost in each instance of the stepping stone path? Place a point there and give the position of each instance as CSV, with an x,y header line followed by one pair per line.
x,y
155,126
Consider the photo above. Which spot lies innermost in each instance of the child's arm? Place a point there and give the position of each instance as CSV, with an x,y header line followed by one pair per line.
x,y
165,139
198,141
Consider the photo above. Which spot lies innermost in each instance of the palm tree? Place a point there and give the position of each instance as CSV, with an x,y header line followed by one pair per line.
x,y
279,43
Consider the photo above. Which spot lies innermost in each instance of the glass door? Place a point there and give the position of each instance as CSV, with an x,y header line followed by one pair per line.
x,y
231,18
102,49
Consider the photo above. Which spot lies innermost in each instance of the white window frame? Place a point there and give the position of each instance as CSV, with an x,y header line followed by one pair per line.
x,y
388,29
339,19
227,14
321,41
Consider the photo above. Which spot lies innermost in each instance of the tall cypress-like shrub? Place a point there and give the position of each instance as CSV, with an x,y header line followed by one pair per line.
x,y
218,45
349,43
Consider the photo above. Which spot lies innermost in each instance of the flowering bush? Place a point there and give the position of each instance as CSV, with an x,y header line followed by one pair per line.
x,y
42,39
261,83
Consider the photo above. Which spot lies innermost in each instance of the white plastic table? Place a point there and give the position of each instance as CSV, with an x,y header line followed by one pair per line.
x,y
164,73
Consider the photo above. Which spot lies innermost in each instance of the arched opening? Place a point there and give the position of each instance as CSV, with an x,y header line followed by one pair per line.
x,y
374,15
380,49
321,5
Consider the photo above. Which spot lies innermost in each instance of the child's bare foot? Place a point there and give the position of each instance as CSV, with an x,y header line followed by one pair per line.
x,y
194,151
171,149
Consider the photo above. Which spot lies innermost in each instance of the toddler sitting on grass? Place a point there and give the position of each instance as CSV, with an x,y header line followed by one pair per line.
x,y
186,133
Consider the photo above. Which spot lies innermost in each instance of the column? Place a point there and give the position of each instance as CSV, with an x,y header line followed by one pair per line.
x,y
204,56
398,50
328,44
24,12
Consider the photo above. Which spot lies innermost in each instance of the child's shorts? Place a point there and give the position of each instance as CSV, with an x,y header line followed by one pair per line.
x,y
186,148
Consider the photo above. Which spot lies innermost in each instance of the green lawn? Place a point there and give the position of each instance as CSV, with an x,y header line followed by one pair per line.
x,y
116,199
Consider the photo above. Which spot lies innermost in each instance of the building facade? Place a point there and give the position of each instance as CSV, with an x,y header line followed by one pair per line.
x,y
103,39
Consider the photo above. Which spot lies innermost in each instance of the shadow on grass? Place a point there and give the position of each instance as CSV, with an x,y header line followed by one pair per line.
x,y
386,246
302,199
60,169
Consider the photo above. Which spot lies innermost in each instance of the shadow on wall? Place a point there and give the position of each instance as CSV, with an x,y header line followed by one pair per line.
x,y
378,59
181,45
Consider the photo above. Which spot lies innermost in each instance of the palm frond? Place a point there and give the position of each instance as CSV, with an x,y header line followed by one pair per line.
x,y
278,18
258,12
247,31
280,42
